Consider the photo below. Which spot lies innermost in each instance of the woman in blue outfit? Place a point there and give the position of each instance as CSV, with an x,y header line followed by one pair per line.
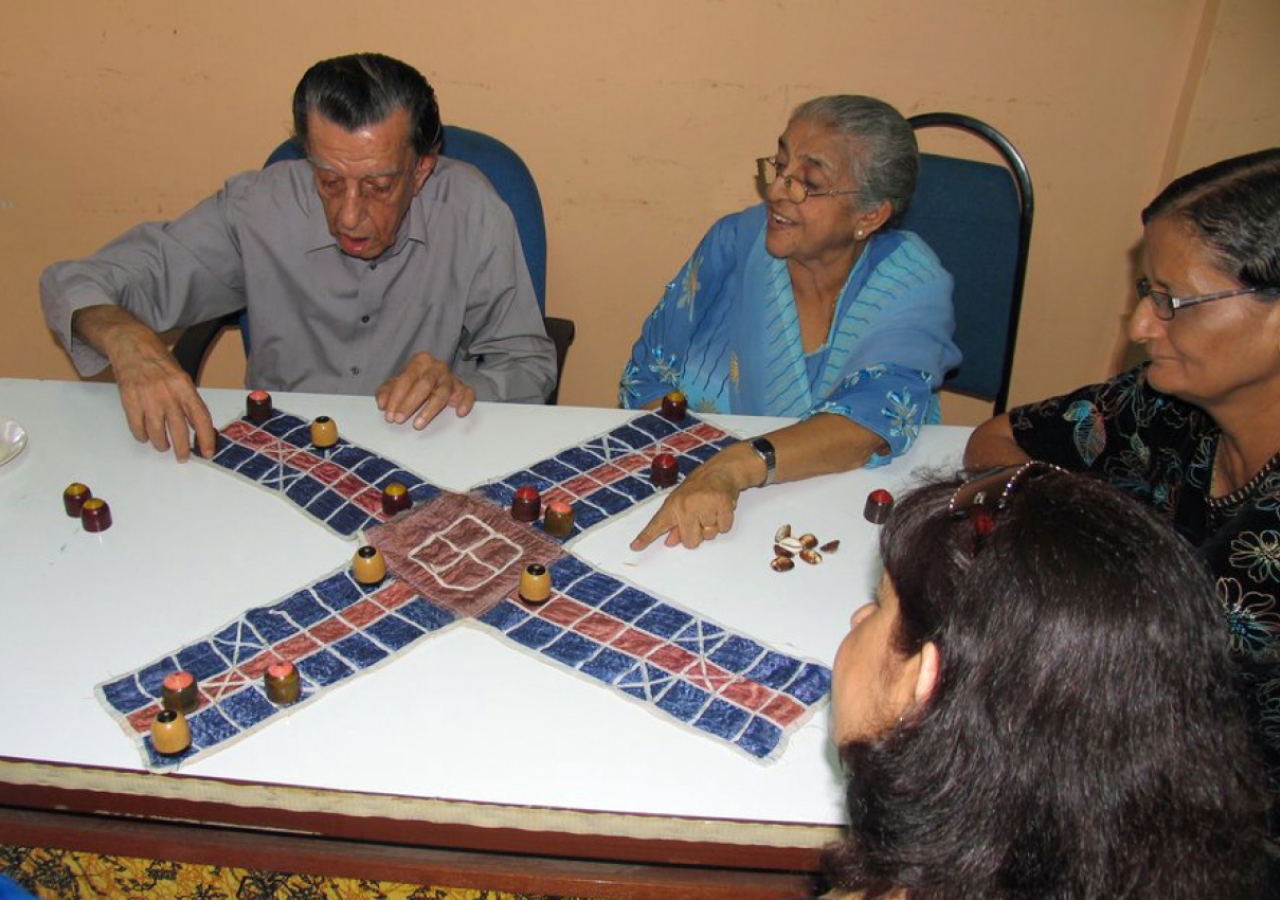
x,y
1195,432
812,305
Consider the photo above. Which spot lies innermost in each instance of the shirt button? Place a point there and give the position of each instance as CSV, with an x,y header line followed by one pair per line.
x,y
372,266
355,370
364,320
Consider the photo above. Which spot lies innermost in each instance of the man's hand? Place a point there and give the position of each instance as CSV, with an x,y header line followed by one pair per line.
x,y
422,390
160,402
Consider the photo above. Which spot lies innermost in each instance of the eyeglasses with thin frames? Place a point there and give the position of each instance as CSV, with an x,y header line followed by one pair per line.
x,y
770,171
1165,304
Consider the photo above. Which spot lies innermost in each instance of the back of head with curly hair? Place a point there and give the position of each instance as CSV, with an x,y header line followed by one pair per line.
x,y
1084,738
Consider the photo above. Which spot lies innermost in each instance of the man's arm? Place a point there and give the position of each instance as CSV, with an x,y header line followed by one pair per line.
x,y
109,307
504,353
160,401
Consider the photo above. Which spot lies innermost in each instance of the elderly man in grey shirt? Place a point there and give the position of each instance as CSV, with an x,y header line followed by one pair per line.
x,y
375,266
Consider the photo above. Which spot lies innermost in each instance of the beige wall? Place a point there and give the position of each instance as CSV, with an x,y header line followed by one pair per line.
x,y
640,122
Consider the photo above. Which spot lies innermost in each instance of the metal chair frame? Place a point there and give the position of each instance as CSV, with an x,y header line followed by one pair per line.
x,y
997,392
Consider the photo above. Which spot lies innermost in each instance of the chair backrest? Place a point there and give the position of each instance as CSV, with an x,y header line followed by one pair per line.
x,y
977,217
509,176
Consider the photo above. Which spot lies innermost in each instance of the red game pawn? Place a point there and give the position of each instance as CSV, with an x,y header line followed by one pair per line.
x,y
879,505
526,505
73,498
395,499
170,733
178,692
558,522
663,471
258,407
674,406
282,684
324,432
95,515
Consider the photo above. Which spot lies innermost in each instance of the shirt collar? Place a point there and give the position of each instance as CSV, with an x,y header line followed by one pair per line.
x,y
412,228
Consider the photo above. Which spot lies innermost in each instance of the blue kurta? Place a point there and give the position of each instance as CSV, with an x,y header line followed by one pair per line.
x,y
726,334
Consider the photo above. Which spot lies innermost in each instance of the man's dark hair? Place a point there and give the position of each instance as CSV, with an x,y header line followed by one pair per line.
x,y
1234,207
1084,738
363,89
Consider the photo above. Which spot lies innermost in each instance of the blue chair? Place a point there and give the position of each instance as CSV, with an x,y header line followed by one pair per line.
x,y
977,217
11,890
514,183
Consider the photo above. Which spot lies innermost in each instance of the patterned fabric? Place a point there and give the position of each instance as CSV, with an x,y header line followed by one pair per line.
x,y
67,875
1161,450
458,558
727,335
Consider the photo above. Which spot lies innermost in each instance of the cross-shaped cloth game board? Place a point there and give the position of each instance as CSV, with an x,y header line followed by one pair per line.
x,y
457,558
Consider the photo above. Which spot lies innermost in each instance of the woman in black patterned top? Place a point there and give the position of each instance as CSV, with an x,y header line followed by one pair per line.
x,y
1195,432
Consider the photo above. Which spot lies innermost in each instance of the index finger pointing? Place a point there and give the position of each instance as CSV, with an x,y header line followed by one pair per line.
x,y
658,526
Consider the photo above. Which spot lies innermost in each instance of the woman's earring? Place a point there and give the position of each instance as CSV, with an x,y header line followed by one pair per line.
x,y
858,234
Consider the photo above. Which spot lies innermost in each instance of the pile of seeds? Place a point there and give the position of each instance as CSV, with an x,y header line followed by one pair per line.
x,y
786,548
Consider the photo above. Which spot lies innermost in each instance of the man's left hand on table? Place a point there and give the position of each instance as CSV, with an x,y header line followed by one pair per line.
x,y
424,388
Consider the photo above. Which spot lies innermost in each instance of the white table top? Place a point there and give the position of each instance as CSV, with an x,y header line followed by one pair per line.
x,y
461,716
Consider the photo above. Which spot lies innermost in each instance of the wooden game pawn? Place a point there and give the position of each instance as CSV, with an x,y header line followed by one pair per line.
x,y
170,733
535,584
282,684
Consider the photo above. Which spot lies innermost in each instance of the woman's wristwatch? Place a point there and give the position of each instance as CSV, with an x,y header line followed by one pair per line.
x,y
764,449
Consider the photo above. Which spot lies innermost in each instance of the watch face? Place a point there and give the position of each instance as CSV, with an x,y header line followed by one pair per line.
x,y
763,447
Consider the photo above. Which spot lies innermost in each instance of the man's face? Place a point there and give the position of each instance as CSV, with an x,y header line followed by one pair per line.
x,y
366,179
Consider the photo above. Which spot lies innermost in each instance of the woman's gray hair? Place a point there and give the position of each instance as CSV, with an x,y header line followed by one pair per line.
x,y
885,155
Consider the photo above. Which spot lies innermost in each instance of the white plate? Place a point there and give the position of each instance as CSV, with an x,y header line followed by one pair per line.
x,y
12,440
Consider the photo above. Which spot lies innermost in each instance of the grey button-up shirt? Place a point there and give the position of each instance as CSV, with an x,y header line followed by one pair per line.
x,y
454,285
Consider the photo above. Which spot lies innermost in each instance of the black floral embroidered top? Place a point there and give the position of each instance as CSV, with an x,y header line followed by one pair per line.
x,y
1161,450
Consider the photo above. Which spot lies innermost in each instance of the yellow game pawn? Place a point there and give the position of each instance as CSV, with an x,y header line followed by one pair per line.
x,y
368,566
535,584
170,733
324,432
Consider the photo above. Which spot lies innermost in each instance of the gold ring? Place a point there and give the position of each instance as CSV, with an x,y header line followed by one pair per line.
x,y
709,529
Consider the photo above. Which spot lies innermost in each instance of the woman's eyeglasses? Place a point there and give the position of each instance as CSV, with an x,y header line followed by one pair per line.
x,y
771,170
1165,304
987,493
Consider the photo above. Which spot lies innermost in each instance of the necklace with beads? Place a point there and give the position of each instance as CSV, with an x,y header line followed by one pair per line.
x,y
1246,490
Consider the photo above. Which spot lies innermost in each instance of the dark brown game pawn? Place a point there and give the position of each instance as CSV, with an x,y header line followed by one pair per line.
x,y
368,566
558,522
526,505
663,471
674,406
170,733
95,515
257,408
535,584
178,692
282,684
324,432
73,498
395,498
879,505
